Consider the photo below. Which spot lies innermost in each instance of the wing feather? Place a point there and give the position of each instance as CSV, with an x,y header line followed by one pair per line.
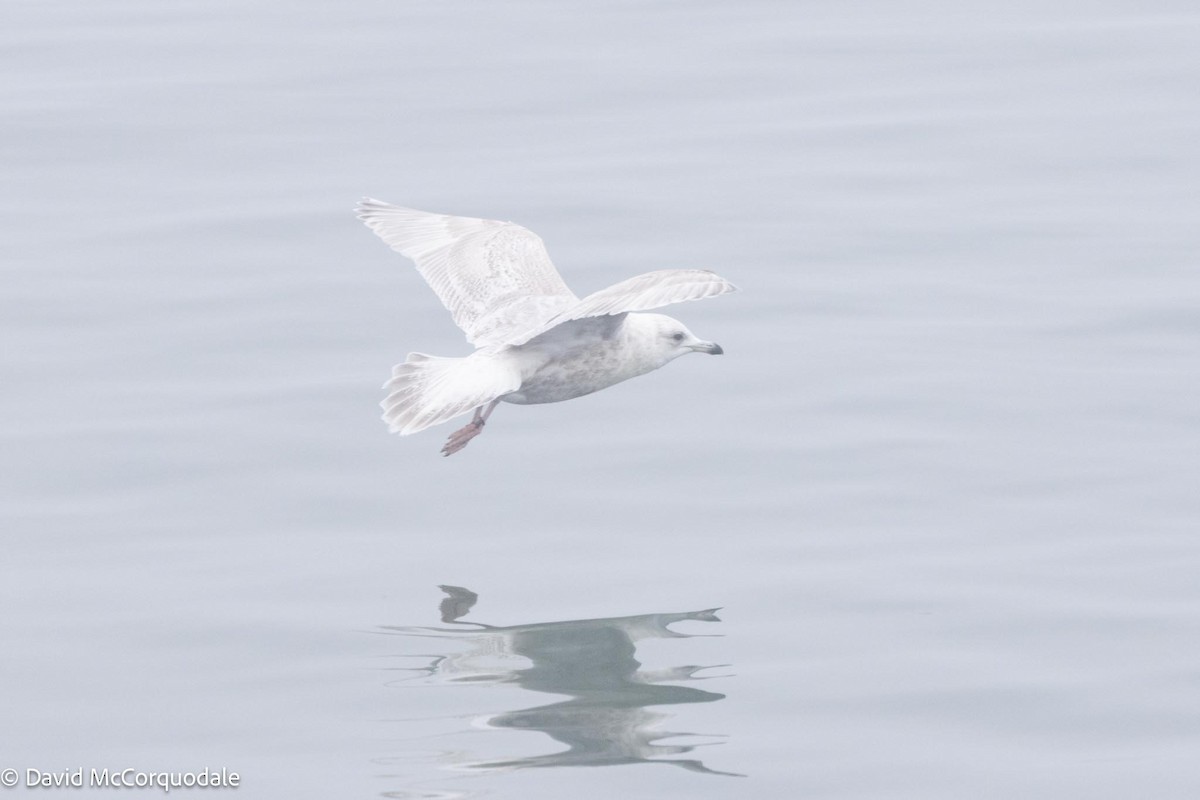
x,y
495,278
640,293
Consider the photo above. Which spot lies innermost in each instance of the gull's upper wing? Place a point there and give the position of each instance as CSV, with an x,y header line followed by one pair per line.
x,y
495,278
640,293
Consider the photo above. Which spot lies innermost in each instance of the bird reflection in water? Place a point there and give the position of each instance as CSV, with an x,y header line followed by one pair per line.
x,y
606,721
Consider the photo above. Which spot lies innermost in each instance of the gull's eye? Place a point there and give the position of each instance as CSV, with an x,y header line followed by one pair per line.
x,y
677,337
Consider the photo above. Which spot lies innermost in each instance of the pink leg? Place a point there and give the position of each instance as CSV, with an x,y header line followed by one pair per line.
x,y
458,440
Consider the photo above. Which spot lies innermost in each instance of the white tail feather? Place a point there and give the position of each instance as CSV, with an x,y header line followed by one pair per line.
x,y
427,390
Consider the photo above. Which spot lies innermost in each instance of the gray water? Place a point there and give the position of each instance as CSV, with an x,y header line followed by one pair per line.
x,y
942,485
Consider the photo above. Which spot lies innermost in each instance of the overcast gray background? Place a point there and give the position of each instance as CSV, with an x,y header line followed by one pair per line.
x,y
943,481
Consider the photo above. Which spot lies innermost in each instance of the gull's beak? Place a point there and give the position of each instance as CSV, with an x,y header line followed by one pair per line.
x,y
712,348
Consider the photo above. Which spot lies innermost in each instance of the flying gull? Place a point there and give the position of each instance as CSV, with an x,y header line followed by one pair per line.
x,y
536,341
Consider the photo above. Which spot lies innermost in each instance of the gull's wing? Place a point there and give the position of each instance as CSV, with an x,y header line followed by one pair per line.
x,y
495,278
640,293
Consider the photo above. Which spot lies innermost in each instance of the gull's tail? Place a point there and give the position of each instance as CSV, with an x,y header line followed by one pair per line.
x,y
427,390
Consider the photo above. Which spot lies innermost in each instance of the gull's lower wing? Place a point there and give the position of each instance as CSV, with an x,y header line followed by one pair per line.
x,y
495,278
641,293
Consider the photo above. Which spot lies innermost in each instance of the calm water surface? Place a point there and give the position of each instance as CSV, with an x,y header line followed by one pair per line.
x,y
942,485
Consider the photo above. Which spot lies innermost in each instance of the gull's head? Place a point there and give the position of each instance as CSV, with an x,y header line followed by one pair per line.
x,y
672,339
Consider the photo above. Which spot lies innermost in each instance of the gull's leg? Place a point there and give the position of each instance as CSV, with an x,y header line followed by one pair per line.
x,y
458,440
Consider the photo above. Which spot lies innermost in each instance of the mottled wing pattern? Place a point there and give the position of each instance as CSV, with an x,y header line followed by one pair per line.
x,y
640,293
495,278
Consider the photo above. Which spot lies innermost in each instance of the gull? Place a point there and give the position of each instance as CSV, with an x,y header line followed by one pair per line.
x,y
536,342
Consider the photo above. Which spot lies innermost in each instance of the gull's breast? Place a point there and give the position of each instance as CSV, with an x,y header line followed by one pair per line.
x,y
562,374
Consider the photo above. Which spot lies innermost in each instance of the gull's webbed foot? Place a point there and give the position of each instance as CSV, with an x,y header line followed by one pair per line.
x,y
459,439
